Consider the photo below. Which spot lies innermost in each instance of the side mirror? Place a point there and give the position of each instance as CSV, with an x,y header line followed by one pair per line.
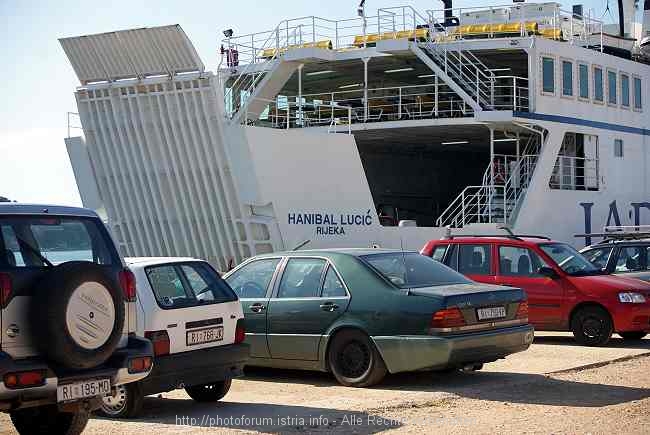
x,y
548,272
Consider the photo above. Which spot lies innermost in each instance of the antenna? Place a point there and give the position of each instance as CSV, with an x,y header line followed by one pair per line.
x,y
300,245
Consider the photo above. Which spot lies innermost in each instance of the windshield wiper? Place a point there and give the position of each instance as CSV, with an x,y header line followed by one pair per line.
x,y
34,251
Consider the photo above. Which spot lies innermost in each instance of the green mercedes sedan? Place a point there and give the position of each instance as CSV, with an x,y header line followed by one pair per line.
x,y
362,313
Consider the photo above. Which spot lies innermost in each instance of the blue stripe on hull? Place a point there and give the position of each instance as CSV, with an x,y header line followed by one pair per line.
x,y
584,122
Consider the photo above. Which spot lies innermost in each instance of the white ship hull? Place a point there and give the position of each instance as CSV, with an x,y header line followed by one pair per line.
x,y
172,173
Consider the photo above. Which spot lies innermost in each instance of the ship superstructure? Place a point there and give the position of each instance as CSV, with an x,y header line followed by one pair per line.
x,y
376,130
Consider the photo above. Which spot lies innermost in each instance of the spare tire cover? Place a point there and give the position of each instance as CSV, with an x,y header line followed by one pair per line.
x,y
77,314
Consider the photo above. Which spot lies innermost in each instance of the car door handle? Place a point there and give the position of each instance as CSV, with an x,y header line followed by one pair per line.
x,y
329,306
257,308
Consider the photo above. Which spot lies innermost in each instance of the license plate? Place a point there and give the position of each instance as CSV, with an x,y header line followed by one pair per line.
x,y
491,313
205,335
81,390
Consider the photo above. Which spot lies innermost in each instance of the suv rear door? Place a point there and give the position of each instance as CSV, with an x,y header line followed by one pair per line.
x,y
195,307
29,245
517,267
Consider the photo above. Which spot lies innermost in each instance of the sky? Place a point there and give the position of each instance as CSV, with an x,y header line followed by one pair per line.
x,y
37,82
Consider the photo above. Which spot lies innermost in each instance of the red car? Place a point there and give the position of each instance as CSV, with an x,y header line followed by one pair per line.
x,y
565,291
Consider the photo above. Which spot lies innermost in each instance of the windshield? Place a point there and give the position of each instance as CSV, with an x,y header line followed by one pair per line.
x,y
410,270
570,260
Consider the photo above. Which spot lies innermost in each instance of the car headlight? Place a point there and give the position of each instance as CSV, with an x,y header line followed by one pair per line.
x,y
631,298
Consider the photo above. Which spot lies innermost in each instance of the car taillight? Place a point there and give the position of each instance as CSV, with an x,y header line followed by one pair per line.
x,y
140,364
160,341
5,289
127,281
522,310
240,331
447,318
34,378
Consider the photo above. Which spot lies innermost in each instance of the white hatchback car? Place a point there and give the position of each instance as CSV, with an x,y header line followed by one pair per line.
x,y
196,325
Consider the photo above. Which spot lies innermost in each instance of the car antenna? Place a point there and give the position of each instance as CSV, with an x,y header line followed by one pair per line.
x,y
401,246
507,229
300,245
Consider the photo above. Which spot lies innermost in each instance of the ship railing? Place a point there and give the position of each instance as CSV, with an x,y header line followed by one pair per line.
x,y
400,18
421,101
74,123
504,183
248,77
318,32
474,204
283,114
510,93
552,22
575,173
435,100
546,19
389,103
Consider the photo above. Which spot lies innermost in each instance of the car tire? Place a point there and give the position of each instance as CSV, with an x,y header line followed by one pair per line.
x,y
592,326
49,420
125,402
632,335
60,319
209,392
354,359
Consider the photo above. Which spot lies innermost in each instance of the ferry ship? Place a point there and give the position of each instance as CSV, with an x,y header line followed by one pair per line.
x,y
386,129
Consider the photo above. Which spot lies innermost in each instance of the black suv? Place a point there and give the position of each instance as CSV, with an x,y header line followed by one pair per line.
x,y
67,312
624,250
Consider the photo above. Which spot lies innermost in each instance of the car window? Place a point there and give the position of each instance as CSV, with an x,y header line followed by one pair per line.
x,y
252,280
168,287
12,253
411,270
570,260
630,259
518,261
332,285
599,257
301,278
206,284
439,252
474,259
452,257
38,242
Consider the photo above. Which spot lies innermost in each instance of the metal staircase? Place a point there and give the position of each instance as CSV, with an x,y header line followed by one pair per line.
x,y
498,199
466,70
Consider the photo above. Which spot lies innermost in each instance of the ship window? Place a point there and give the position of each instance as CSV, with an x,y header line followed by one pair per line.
x,y
637,93
598,84
548,74
611,87
584,80
618,147
567,78
625,90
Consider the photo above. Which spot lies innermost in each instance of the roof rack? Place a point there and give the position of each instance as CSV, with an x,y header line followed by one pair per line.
x,y
506,236
621,232
509,234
